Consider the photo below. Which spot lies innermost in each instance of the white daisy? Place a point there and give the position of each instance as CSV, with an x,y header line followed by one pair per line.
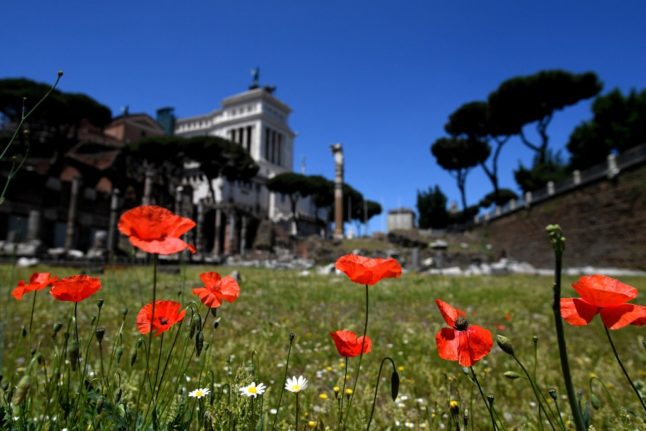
x,y
296,384
199,393
253,390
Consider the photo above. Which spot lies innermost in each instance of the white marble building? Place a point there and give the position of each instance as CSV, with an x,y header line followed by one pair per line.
x,y
258,121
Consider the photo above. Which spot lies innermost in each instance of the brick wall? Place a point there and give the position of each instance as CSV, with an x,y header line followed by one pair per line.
x,y
604,223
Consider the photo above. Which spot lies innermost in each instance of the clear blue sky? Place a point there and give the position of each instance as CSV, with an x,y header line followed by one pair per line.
x,y
380,77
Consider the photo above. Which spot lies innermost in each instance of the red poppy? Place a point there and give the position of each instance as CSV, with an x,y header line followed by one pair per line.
x,y
349,345
156,230
37,281
167,313
217,289
462,342
75,288
606,296
365,270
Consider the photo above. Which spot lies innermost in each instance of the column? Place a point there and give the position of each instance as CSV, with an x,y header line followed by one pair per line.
x,y
337,151
178,200
112,226
33,225
231,234
148,187
243,235
216,234
71,213
199,229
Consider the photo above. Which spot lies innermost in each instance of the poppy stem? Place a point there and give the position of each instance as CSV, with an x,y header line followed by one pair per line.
x,y
356,379
152,319
345,376
76,323
31,317
614,350
475,379
558,245
540,398
282,391
374,400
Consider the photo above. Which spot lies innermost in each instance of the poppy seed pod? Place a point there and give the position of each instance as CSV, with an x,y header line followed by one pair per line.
x,y
100,332
124,312
553,393
505,344
99,303
291,336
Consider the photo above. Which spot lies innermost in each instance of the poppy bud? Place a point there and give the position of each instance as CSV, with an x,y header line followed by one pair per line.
x,y
394,385
139,343
490,400
100,332
124,312
74,354
214,312
99,304
511,375
118,353
216,324
505,344
199,343
23,331
594,401
553,394
21,390
133,358
291,336
56,328
60,73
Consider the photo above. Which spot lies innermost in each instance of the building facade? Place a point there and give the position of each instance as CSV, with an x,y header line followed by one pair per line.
x,y
259,122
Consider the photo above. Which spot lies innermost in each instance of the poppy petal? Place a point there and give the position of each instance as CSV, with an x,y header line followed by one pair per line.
x,y
623,315
577,312
603,291
210,279
207,297
19,290
229,289
475,343
168,245
449,313
448,343
368,271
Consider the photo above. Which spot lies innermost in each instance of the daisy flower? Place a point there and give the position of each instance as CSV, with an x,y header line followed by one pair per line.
x,y
296,384
199,393
253,390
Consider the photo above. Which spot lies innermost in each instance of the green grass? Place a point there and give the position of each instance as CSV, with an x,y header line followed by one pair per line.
x,y
252,338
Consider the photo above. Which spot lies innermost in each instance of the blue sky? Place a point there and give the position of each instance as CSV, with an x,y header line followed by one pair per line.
x,y
380,77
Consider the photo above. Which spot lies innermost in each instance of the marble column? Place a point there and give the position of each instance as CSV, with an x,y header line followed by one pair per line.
x,y
216,233
71,213
112,226
337,151
199,229
148,188
243,235
33,225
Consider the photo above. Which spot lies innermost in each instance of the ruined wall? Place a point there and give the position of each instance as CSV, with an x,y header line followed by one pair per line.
x,y
604,223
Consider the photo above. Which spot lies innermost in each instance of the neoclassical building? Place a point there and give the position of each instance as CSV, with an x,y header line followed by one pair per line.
x,y
258,121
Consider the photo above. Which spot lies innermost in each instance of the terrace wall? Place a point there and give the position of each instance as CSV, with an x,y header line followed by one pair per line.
x,y
602,214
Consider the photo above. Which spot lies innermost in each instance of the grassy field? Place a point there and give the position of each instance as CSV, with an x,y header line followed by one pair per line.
x,y
251,344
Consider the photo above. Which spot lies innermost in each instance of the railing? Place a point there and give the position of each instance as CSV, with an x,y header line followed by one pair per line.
x,y
613,167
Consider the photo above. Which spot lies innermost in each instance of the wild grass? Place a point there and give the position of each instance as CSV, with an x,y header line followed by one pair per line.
x,y
252,337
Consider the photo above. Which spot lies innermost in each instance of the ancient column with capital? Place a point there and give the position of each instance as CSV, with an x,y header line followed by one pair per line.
x,y
112,226
337,151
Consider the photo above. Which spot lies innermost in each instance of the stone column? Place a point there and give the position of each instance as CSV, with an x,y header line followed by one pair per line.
x,y
33,225
112,226
231,234
148,187
337,151
178,200
613,169
71,213
216,235
199,234
243,235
